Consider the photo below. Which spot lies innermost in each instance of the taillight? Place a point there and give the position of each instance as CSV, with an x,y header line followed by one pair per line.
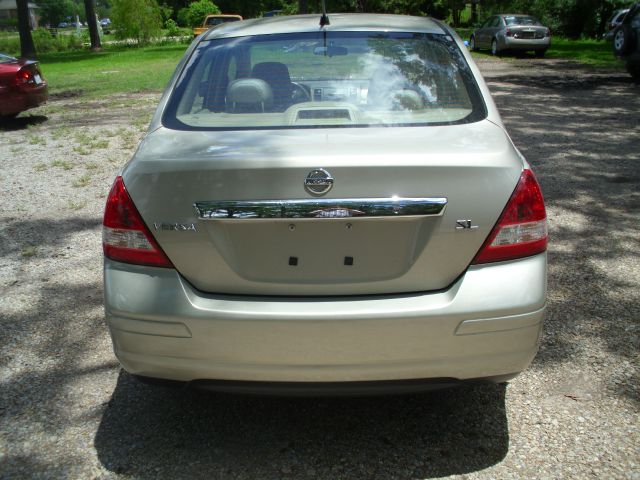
x,y
547,33
23,77
125,237
509,33
521,230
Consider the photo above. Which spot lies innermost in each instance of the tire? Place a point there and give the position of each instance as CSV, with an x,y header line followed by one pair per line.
x,y
494,48
472,44
540,53
634,70
623,39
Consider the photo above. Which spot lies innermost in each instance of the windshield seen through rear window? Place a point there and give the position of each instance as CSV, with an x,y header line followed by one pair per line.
x,y
521,20
325,79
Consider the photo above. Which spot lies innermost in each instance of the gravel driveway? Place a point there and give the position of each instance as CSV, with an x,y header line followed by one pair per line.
x,y
68,411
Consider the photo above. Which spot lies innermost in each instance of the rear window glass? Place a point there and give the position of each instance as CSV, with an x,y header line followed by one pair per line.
x,y
521,20
325,79
6,59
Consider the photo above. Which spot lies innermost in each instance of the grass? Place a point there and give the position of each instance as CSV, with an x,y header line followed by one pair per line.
x,y
64,164
115,70
77,205
29,251
82,181
598,53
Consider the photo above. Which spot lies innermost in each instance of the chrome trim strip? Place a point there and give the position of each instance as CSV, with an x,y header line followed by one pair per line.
x,y
320,208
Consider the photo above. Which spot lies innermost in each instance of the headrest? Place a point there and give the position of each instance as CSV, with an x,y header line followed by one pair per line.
x,y
249,91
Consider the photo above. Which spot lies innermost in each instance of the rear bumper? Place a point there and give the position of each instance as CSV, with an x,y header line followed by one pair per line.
x,y
486,325
510,43
13,102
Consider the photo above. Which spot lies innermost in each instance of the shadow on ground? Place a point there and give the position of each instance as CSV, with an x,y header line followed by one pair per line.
x,y
22,122
580,133
150,431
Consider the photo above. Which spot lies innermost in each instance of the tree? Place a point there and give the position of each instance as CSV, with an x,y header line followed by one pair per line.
x,y
27,48
197,11
137,19
90,9
52,12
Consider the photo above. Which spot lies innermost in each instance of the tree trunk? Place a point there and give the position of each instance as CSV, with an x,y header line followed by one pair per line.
x,y
302,6
27,48
94,36
455,13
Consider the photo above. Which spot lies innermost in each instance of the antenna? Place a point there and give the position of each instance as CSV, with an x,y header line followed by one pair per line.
x,y
324,20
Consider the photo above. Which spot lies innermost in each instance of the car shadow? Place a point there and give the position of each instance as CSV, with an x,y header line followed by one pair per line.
x,y
158,432
21,122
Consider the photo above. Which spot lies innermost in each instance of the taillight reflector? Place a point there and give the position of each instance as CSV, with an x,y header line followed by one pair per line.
x,y
125,237
23,77
521,230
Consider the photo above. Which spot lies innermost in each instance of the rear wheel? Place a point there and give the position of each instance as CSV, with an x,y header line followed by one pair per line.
x,y
623,39
541,53
494,47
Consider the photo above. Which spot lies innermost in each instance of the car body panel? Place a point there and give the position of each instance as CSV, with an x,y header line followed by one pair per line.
x,y
487,324
17,98
339,22
251,256
614,21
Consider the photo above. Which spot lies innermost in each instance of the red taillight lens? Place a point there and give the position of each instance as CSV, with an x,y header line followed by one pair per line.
x,y
521,230
23,77
509,33
125,237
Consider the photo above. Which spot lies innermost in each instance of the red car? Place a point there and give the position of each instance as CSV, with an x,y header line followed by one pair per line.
x,y
22,86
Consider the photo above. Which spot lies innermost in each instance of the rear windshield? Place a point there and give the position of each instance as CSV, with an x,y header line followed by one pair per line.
x,y
6,59
334,79
521,20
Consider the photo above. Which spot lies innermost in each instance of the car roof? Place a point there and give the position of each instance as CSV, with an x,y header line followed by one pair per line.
x,y
339,22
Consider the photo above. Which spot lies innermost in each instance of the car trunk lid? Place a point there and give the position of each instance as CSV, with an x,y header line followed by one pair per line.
x,y
407,211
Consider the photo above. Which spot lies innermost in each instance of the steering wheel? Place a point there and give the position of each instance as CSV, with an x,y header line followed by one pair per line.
x,y
300,93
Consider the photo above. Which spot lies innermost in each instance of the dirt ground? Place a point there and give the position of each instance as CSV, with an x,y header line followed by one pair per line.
x,y
68,411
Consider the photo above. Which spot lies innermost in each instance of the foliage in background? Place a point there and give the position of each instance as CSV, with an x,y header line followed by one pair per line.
x,y
52,12
46,42
9,44
137,19
172,29
570,18
197,11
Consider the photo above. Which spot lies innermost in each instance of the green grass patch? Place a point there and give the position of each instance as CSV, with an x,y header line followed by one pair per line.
x,y
82,181
115,70
598,53
64,164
